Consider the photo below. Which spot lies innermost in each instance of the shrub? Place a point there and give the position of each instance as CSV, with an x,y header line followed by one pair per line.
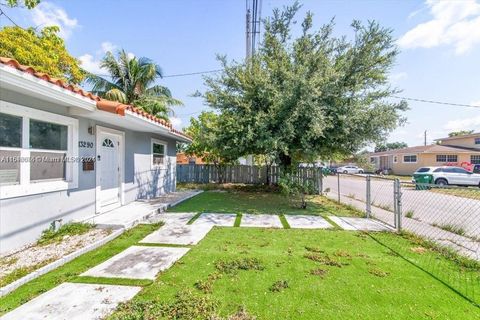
x,y
296,188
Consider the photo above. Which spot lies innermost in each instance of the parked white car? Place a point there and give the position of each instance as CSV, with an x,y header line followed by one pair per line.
x,y
350,170
443,176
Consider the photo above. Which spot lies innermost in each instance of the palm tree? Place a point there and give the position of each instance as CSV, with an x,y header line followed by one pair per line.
x,y
132,82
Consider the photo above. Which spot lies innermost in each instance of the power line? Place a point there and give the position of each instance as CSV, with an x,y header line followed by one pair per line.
x,y
437,102
10,19
191,73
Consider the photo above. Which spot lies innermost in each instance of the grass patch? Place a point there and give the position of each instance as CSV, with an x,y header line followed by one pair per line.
x,y
409,214
280,253
238,220
74,268
284,221
195,217
69,229
378,273
113,281
469,193
451,228
234,201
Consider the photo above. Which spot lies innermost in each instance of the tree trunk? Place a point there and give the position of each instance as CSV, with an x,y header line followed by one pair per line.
x,y
285,162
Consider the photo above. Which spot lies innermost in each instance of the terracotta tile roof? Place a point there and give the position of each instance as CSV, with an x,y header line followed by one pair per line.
x,y
102,104
434,148
15,64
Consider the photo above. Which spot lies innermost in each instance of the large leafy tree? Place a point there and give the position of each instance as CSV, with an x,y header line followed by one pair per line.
x,y
460,133
132,81
390,146
207,139
43,50
313,96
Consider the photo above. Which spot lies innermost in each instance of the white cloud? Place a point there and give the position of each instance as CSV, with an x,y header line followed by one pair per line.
x,y
397,77
48,14
108,46
475,103
464,124
176,122
91,62
453,23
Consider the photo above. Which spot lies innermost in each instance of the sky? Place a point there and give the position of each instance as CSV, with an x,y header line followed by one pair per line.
x,y
439,43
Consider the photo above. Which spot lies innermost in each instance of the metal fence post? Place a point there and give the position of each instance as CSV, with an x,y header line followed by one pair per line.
x,y
320,181
338,186
397,203
369,196
399,206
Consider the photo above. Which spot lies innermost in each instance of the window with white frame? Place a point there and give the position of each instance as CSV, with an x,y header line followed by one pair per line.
x,y
477,140
159,153
36,151
475,159
412,158
447,158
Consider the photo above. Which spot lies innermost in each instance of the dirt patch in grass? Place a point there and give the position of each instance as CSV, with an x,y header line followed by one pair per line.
x,y
319,272
324,259
342,253
420,250
206,286
232,266
279,285
378,272
314,249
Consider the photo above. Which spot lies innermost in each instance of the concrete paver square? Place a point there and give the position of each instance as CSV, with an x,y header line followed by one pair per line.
x,y
307,222
137,262
74,301
180,218
217,219
364,224
261,221
178,234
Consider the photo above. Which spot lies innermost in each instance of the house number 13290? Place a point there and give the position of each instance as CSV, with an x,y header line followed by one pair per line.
x,y
85,144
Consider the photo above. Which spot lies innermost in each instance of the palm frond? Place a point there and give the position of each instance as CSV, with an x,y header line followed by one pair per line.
x,y
99,85
116,95
158,90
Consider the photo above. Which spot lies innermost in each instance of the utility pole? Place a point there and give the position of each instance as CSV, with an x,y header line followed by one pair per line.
x,y
253,18
425,138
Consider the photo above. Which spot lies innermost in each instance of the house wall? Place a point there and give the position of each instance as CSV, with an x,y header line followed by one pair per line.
x,y
468,142
22,219
424,160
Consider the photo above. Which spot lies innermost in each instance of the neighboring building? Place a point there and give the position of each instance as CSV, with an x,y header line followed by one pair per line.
x,y
67,154
183,158
454,151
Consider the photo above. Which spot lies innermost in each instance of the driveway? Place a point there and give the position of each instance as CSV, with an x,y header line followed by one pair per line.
x,y
423,205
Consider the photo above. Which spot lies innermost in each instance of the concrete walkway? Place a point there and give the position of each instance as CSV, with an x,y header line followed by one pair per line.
x,y
81,301
141,210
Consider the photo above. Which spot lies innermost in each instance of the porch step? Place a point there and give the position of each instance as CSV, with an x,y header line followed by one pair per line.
x,y
140,211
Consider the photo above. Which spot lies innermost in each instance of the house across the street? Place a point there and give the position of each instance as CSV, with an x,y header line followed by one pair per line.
x,y
461,151
67,154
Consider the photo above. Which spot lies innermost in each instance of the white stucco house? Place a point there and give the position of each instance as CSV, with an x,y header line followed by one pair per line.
x,y
67,154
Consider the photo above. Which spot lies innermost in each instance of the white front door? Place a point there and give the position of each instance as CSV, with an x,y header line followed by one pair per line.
x,y
108,159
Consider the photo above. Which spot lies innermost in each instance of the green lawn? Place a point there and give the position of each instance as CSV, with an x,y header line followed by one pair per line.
x,y
260,202
278,273
353,277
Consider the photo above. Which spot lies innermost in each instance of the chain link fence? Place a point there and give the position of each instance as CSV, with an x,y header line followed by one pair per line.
x,y
443,220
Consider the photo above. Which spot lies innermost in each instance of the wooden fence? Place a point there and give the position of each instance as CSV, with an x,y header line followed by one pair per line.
x,y
209,173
